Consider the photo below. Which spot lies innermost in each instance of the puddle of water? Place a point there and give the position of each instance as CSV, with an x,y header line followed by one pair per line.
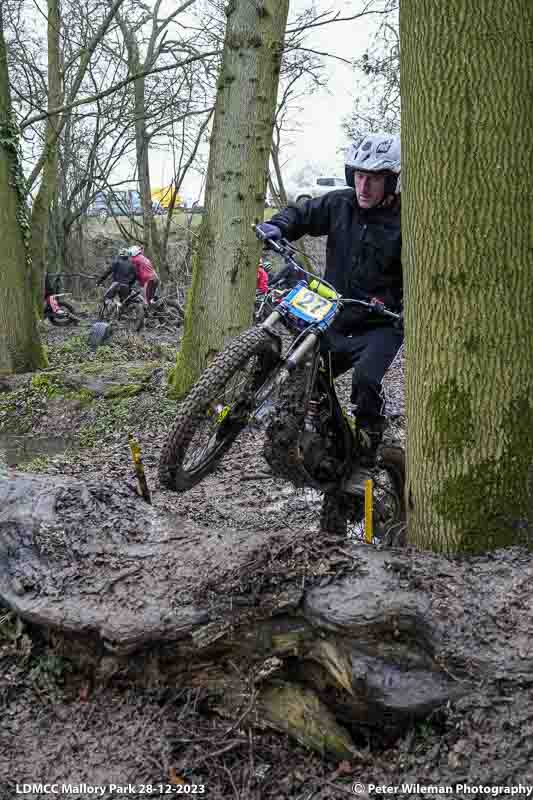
x,y
20,450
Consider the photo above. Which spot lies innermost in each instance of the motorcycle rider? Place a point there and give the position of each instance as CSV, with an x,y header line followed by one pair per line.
x,y
262,277
363,260
144,271
124,275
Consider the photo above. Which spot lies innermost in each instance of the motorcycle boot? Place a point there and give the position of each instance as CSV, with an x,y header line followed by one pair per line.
x,y
370,434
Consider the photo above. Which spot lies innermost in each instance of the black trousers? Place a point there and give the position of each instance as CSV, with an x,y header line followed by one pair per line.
x,y
122,289
370,351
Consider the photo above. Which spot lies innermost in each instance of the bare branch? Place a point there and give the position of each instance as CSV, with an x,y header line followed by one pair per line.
x,y
117,86
368,11
325,55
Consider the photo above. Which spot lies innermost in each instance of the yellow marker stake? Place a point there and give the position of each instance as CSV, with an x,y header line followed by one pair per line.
x,y
139,470
369,485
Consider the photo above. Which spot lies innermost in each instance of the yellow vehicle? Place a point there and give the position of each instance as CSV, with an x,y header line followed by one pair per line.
x,y
163,197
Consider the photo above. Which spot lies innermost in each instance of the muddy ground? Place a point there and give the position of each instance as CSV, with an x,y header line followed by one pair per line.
x,y
56,728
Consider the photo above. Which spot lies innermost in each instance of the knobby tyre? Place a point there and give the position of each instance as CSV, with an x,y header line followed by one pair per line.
x,y
164,314
212,412
132,317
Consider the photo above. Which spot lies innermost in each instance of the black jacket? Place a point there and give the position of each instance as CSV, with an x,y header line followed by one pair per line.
x,y
363,253
122,269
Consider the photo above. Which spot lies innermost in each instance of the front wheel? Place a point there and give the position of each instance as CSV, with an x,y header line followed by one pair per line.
x,y
217,409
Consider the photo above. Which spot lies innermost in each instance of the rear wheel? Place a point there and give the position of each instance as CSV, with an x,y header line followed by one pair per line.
x,y
217,409
132,317
343,513
164,314
174,312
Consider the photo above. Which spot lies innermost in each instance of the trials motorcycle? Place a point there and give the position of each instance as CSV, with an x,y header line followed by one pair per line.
x,y
309,439
58,311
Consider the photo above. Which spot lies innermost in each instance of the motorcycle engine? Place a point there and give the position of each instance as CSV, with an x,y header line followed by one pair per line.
x,y
320,444
308,449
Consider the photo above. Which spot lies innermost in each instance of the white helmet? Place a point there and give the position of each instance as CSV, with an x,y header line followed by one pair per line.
x,y
376,152
135,251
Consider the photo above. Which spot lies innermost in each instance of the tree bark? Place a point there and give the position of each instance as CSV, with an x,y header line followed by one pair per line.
x,y
40,218
467,73
20,346
220,301
278,189
142,142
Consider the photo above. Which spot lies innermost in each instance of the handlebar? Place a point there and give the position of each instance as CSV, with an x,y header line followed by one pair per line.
x,y
284,248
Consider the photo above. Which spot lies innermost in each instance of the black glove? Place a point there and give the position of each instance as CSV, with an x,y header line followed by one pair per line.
x,y
399,322
267,231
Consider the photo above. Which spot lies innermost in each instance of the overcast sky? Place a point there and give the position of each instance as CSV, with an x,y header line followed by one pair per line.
x,y
320,137
319,140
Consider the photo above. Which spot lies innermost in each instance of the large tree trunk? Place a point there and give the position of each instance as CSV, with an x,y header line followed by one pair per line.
x,y
468,149
151,233
40,219
142,143
220,302
20,346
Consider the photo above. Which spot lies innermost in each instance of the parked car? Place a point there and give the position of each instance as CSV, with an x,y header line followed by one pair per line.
x,y
322,185
123,203
98,207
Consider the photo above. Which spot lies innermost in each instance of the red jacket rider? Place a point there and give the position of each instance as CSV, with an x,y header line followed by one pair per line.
x,y
262,278
146,274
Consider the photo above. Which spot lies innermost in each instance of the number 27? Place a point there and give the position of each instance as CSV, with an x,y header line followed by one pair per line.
x,y
311,302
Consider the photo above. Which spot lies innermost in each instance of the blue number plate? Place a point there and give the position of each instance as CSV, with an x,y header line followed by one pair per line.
x,y
307,305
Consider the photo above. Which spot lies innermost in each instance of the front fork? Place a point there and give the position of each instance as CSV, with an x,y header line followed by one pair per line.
x,y
299,354
297,357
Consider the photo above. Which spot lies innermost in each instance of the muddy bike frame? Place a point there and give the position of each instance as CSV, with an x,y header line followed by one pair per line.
x,y
116,305
306,344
